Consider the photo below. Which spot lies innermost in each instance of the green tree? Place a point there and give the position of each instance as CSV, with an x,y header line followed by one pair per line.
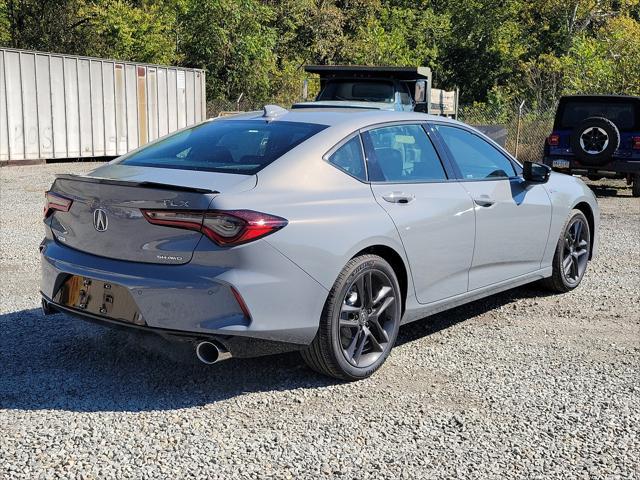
x,y
608,62
486,45
45,25
398,36
494,51
234,42
142,33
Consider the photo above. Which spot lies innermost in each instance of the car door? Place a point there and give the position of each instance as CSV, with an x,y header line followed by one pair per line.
x,y
433,214
512,217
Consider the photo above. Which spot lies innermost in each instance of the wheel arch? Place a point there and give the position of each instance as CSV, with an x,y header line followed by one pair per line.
x,y
396,261
585,208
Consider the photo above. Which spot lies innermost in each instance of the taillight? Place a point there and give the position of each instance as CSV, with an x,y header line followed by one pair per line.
x,y
635,141
175,218
554,140
224,227
53,201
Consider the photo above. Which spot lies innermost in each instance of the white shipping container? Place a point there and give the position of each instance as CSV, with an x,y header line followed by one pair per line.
x,y
55,106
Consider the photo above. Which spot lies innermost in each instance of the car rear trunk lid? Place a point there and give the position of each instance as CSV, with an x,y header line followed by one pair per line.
x,y
106,217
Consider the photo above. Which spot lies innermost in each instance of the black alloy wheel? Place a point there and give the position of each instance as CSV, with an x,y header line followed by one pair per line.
x,y
572,254
575,251
360,321
366,321
594,140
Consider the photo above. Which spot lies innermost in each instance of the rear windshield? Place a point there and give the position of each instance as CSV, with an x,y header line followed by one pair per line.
x,y
366,91
622,112
232,146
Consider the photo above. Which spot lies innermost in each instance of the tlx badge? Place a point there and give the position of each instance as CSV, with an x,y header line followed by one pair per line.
x,y
176,203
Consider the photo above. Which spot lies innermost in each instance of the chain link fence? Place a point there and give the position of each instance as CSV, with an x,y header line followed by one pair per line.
x,y
522,130
220,106
519,128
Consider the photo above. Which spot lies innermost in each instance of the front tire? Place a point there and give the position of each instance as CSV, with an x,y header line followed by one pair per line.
x,y
359,322
572,254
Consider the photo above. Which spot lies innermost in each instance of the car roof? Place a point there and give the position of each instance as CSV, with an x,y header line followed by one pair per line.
x,y
340,117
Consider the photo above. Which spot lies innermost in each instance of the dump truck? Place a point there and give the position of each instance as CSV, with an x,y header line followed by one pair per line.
x,y
379,88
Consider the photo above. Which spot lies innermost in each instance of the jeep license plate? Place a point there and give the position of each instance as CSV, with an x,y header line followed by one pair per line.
x,y
561,164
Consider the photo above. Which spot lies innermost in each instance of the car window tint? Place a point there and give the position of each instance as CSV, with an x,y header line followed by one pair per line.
x,y
476,158
233,146
350,159
402,153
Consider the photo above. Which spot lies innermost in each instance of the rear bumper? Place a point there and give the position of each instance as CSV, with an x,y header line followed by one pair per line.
x,y
196,299
237,346
615,166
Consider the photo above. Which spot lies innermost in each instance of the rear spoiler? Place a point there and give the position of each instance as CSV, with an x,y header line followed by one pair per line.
x,y
125,183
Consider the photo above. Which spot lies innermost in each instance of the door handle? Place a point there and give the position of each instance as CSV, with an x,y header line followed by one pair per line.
x,y
484,201
398,197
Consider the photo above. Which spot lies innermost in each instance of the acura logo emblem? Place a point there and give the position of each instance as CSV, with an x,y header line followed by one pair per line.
x,y
100,221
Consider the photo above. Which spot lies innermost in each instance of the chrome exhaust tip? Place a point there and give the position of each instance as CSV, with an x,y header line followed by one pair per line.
x,y
210,352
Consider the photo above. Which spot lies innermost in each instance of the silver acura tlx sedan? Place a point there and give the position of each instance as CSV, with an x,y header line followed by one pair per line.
x,y
316,230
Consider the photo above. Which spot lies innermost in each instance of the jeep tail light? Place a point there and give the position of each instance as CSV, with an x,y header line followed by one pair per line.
x,y
554,140
54,201
635,142
224,227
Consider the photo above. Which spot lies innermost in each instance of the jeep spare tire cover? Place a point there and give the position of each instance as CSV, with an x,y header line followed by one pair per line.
x,y
594,140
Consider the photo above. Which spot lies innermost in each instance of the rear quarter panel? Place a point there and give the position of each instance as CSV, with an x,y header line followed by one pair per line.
x,y
331,215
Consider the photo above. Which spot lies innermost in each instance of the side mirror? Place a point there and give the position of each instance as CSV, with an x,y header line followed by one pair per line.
x,y
535,172
420,93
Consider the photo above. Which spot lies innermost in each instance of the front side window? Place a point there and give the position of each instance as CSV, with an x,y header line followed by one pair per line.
x,y
402,153
476,158
350,159
231,146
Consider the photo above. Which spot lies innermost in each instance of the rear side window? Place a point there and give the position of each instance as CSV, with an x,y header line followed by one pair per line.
x,y
350,159
402,153
624,113
232,146
476,158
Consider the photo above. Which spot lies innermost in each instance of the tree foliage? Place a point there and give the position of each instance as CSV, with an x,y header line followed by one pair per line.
x,y
493,51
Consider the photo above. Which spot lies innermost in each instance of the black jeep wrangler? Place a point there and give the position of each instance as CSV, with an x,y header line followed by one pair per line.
x,y
597,136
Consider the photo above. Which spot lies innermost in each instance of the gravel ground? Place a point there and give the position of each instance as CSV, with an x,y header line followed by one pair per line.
x,y
520,385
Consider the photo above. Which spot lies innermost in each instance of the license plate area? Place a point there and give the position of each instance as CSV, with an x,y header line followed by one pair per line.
x,y
100,298
561,163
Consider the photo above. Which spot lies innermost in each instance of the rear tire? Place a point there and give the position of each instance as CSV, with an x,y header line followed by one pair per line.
x,y
359,323
571,255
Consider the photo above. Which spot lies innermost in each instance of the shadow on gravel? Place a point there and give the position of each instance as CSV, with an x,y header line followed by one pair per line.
x,y
442,321
603,191
60,363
